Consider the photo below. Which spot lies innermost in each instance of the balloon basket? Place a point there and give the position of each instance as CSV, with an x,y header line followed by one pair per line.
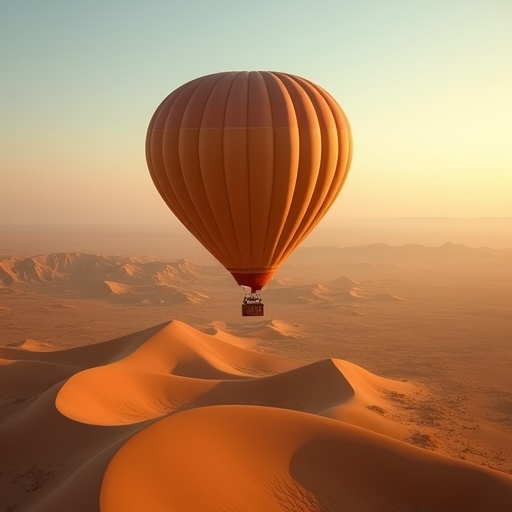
x,y
253,309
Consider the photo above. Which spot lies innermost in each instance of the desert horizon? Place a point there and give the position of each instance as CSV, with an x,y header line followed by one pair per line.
x,y
393,359
172,240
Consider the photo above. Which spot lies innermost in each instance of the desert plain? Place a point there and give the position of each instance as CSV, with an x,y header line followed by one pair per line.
x,y
379,378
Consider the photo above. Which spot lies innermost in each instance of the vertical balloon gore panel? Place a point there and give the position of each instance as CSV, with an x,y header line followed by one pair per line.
x,y
253,309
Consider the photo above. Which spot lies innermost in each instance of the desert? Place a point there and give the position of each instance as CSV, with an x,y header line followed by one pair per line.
x,y
379,379
256,256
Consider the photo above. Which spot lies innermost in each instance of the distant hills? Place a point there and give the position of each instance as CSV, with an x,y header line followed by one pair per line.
x,y
416,255
118,278
312,275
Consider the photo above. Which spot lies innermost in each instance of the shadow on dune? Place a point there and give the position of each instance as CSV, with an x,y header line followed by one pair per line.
x,y
58,460
369,474
312,388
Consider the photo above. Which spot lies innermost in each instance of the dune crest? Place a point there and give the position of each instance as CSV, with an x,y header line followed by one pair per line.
x,y
180,368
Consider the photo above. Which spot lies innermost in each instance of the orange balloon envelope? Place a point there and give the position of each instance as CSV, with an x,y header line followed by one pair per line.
x,y
249,162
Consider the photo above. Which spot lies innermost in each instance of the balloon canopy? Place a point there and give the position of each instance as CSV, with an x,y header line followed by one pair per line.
x,y
249,162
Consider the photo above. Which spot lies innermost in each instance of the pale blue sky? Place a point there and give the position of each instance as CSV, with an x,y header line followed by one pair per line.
x,y
426,86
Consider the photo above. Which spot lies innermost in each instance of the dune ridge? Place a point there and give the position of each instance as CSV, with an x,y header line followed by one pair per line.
x,y
176,418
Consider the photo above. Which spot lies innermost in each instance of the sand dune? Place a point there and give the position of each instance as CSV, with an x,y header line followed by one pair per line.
x,y
266,329
259,458
317,293
173,418
339,291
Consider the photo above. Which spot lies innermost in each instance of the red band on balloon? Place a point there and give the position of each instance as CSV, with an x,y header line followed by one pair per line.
x,y
255,281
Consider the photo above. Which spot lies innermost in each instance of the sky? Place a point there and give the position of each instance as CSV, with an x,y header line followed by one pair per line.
x,y
426,86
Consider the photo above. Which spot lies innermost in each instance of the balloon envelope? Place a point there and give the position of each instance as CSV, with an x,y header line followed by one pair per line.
x,y
249,162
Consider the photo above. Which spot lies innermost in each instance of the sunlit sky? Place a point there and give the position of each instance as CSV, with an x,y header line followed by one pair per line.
x,y
426,85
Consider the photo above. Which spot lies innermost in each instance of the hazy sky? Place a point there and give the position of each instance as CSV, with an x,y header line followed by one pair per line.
x,y
426,85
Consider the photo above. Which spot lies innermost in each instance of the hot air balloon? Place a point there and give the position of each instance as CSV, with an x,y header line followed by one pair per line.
x,y
249,162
